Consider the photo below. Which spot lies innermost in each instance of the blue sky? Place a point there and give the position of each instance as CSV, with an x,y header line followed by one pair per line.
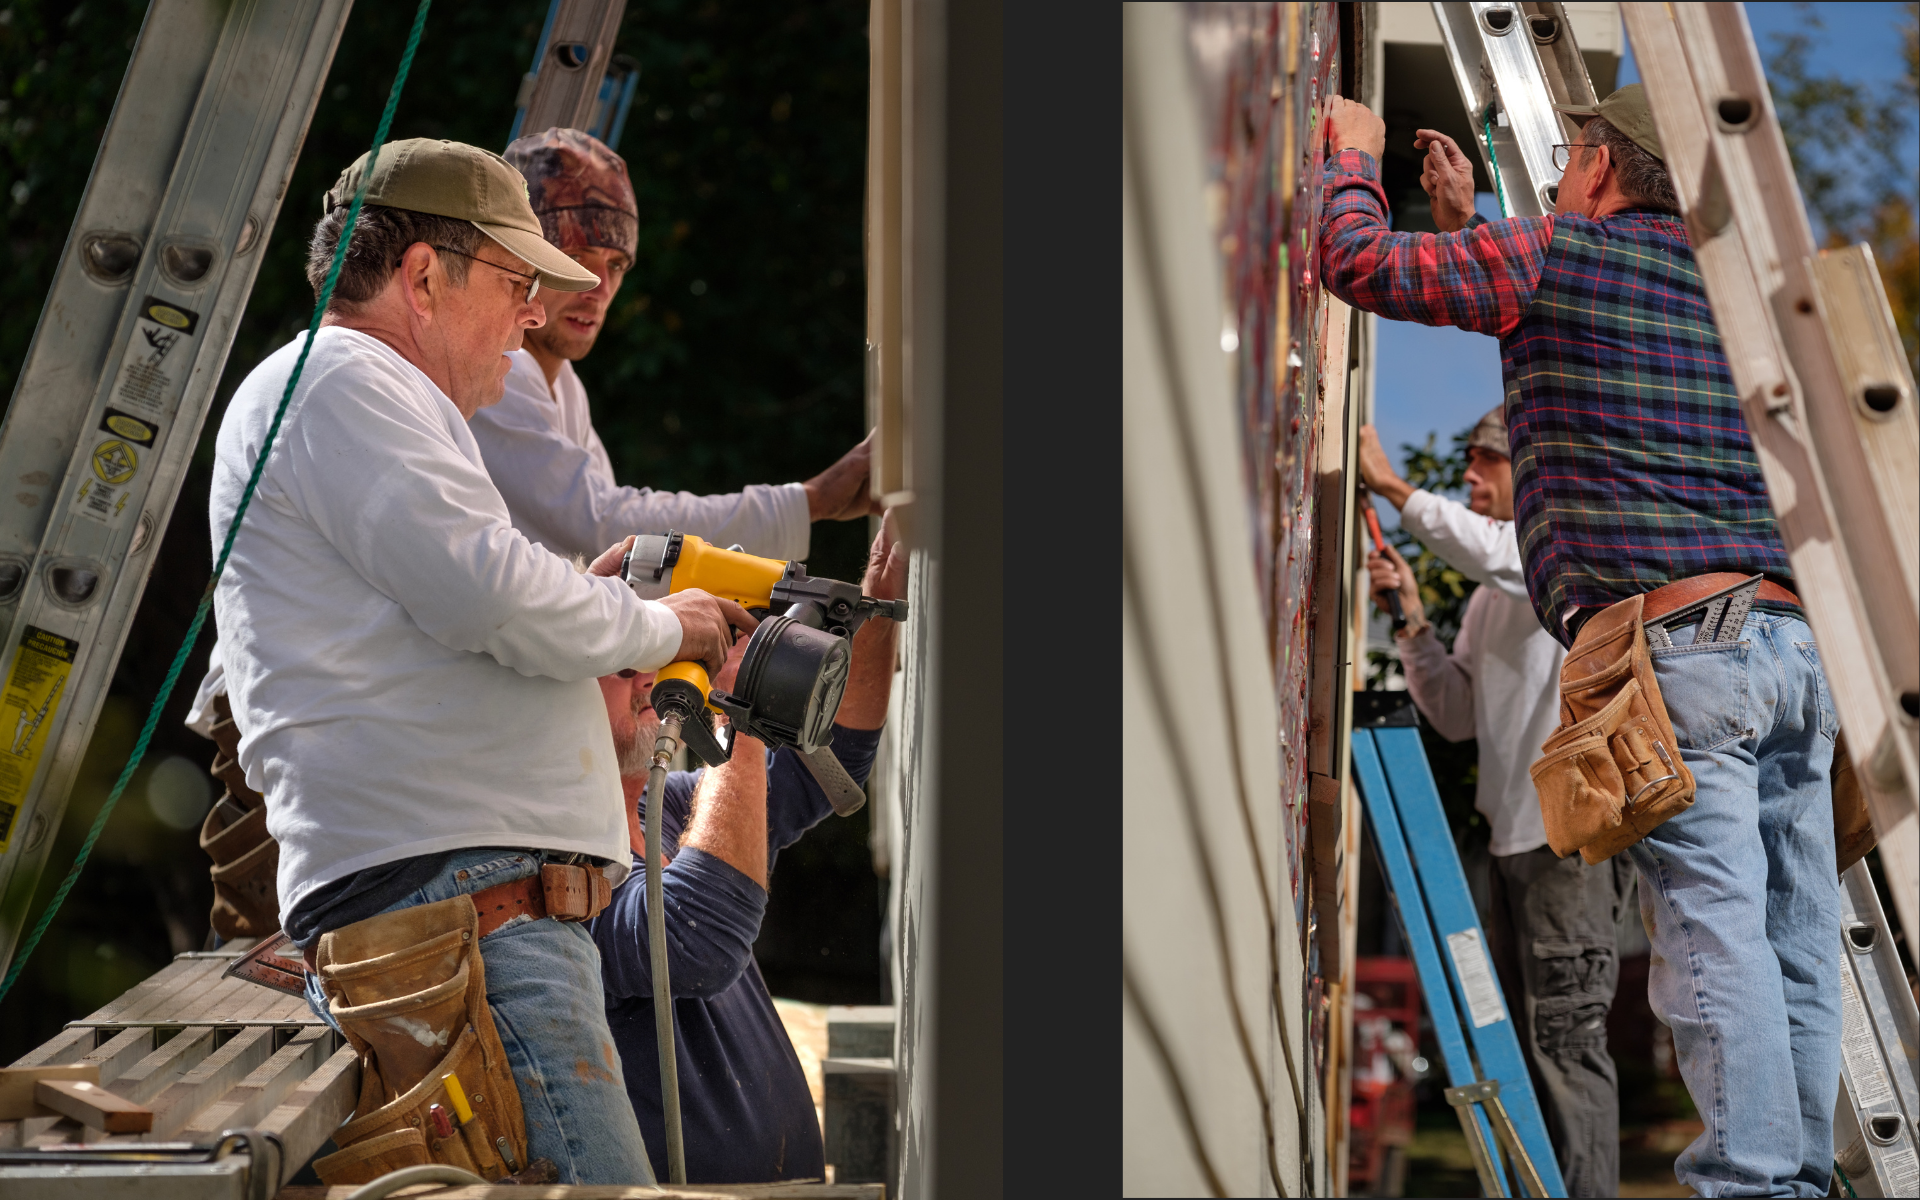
x,y
1442,380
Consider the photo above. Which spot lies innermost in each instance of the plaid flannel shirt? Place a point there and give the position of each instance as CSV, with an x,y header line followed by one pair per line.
x,y
1632,466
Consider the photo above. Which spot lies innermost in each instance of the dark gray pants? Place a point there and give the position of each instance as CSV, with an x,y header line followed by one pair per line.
x,y
1550,931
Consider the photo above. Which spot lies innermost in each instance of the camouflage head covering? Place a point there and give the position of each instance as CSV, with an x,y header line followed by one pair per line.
x,y
579,190
1491,432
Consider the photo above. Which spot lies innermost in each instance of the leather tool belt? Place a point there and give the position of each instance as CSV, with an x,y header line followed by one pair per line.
x,y
1612,772
408,988
246,859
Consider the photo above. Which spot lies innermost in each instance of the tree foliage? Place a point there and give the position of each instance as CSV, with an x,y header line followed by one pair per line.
x,y
1851,144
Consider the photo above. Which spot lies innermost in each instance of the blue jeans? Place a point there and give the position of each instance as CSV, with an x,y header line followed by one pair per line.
x,y
543,983
1741,900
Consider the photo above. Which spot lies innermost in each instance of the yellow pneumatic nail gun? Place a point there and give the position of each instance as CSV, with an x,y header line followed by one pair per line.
x,y
795,667
786,693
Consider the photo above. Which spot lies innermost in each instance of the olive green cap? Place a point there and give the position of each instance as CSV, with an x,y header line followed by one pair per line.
x,y
1627,111
466,183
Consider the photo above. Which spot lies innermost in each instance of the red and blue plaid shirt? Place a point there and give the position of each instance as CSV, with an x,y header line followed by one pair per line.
x,y
1632,466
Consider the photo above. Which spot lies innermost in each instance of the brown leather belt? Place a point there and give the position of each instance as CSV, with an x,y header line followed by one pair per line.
x,y
1682,592
560,891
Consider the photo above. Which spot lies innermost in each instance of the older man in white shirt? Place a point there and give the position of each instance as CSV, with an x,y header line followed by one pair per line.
x,y
1550,924
412,679
539,441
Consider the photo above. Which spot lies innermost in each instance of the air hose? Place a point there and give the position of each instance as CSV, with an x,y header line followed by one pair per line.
x,y
663,751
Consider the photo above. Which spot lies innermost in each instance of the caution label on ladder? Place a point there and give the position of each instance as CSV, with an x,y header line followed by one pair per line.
x,y
32,696
120,448
1476,977
152,376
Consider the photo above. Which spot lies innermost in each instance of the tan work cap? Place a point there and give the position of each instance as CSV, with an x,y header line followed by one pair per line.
x,y
1625,110
1491,433
466,183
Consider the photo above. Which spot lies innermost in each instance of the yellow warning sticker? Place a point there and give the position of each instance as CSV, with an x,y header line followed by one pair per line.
x,y
114,461
27,708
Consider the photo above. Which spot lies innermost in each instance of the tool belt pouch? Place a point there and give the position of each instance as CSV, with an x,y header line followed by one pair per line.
x,y
246,859
246,862
1853,833
409,990
1612,772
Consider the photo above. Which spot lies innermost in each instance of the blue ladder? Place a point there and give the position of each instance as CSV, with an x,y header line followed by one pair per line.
x,y
1430,894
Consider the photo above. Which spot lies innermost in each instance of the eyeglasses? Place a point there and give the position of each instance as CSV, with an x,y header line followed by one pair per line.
x,y
533,281
1563,151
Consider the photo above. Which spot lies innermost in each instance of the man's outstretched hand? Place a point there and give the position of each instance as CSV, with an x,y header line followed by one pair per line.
x,y
1447,176
840,492
1352,126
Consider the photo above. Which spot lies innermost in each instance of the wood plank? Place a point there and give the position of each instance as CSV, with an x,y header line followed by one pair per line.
x,y
69,1045
208,1081
259,1093
93,1106
17,1086
120,1052
315,1109
133,1004
146,1078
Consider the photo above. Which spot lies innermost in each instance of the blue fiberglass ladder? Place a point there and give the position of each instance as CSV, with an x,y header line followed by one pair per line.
x,y
1429,890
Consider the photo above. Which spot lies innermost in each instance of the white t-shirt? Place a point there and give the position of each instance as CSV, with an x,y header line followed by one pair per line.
x,y
409,673
1502,681
550,466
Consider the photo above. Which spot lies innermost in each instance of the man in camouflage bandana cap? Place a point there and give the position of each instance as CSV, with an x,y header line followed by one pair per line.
x,y
539,442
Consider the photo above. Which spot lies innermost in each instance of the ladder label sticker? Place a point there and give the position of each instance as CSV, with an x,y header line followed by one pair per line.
x,y
156,359
1859,1048
1902,1172
27,707
115,461
1476,977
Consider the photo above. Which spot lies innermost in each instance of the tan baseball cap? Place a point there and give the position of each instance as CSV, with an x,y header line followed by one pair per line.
x,y
453,179
1627,111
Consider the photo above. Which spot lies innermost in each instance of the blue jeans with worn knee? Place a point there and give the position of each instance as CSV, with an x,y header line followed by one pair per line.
x,y
543,984
1741,900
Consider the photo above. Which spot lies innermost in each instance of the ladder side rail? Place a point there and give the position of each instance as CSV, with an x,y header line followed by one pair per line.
x,y
232,171
1878,1103
1444,884
1561,65
80,320
566,93
1753,157
1403,889
1731,226
1460,37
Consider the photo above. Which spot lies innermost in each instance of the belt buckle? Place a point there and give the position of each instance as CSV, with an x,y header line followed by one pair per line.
x,y
1721,615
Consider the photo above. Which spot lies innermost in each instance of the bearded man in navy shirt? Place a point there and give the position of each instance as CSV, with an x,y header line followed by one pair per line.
x,y
746,1113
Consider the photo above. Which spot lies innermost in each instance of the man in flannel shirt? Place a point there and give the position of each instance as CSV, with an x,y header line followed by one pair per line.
x,y
1633,470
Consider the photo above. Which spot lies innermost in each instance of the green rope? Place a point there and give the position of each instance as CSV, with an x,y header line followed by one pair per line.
x,y
233,529
1499,191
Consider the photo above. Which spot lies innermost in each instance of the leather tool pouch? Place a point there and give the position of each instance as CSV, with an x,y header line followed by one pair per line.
x,y
1853,833
246,859
1612,772
409,990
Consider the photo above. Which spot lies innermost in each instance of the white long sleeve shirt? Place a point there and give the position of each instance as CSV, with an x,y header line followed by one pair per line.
x,y
1502,681
543,453
410,674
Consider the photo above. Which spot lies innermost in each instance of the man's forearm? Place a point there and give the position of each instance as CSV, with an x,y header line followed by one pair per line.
x,y
864,704
730,811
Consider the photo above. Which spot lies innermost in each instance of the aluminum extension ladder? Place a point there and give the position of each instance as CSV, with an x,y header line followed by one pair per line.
x,y
122,367
1829,397
1491,1085
1513,63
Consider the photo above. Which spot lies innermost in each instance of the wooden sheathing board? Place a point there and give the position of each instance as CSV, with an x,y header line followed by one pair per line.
x,y
206,1054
